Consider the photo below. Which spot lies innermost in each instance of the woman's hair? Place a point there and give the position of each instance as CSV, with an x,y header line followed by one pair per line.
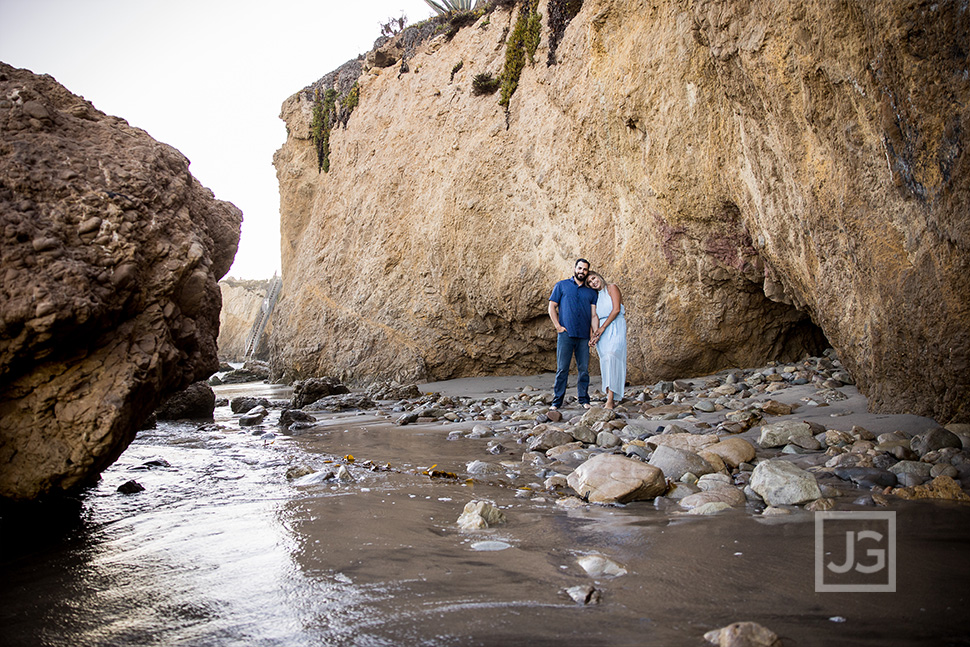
x,y
599,276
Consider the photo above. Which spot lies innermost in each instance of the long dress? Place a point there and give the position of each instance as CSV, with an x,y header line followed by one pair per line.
x,y
612,345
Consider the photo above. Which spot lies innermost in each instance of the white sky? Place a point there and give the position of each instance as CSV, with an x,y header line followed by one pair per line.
x,y
205,76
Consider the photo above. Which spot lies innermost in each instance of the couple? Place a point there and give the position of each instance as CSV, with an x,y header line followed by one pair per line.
x,y
587,311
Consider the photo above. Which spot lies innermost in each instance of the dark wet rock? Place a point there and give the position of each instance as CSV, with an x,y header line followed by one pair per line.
x,y
349,401
253,417
197,401
935,439
244,404
243,376
131,487
290,416
310,390
866,477
393,391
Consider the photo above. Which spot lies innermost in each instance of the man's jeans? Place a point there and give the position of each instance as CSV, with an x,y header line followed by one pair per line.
x,y
566,346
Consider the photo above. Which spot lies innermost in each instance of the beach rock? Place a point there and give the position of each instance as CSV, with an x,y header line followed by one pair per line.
x,y
689,442
934,439
608,478
674,462
131,487
607,440
600,566
595,415
708,509
244,404
743,634
732,450
866,477
583,594
912,467
342,402
197,401
481,468
478,515
290,416
779,482
705,406
310,390
728,495
549,439
942,487
778,434
111,252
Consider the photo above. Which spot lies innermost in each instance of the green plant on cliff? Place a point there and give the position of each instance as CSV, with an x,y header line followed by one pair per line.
x,y
484,83
324,116
350,101
522,44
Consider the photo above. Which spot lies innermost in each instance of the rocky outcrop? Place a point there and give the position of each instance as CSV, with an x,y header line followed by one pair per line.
x,y
760,178
241,303
109,303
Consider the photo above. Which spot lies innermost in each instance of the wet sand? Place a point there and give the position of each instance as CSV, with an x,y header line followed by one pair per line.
x,y
223,548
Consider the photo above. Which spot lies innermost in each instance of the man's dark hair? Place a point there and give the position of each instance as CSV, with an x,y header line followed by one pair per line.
x,y
581,260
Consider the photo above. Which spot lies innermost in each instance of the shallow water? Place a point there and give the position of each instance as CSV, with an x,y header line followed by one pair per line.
x,y
221,549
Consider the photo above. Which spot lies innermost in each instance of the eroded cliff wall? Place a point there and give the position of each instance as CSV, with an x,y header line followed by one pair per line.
x,y
241,305
760,179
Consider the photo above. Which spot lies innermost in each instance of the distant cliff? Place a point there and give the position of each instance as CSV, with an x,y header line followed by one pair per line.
x,y
241,303
761,179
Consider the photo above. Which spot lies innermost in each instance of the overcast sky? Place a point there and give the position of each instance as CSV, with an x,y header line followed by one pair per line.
x,y
205,76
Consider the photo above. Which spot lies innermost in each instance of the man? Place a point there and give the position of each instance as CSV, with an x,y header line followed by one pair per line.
x,y
570,311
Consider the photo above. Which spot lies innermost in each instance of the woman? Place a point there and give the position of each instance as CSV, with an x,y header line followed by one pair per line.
x,y
609,336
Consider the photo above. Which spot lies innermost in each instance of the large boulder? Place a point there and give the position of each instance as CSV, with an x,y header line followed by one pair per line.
x,y
110,256
197,401
761,179
609,478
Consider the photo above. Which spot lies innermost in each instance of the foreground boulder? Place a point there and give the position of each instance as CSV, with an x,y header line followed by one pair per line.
x,y
197,401
110,255
610,478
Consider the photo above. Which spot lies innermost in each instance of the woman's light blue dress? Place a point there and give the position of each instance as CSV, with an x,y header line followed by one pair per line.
x,y
612,345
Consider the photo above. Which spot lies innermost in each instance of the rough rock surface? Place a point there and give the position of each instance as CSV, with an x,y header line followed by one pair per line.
x,y
754,175
110,255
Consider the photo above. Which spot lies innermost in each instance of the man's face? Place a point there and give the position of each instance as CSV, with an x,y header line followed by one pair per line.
x,y
582,269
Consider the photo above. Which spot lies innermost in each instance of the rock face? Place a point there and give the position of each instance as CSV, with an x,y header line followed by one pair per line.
x,y
241,303
109,303
759,179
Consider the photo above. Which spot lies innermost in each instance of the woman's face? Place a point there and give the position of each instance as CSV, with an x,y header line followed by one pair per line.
x,y
594,282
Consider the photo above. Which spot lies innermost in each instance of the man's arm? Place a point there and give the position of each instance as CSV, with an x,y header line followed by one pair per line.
x,y
554,315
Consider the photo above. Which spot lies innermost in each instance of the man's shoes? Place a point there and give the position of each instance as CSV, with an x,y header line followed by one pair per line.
x,y
553,408
586,405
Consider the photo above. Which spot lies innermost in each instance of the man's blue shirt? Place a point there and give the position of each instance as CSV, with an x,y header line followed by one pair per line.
x,y
574,307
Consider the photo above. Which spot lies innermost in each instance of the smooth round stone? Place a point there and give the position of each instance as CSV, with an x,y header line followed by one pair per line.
x,y
491,545
705,406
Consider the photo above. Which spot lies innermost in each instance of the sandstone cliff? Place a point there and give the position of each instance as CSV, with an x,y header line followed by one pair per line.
x,y
110,255
760,178
241,305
